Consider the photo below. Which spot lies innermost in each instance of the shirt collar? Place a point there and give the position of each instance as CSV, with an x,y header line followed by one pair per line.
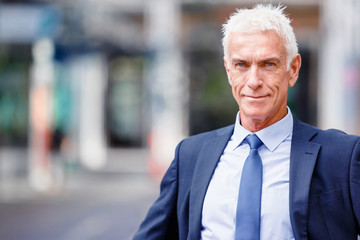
x,y
271,136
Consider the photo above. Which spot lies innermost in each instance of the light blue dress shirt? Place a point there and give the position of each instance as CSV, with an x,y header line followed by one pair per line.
x,y
219,209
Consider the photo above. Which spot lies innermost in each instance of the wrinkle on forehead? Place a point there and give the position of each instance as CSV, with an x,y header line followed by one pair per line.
x,y
258,45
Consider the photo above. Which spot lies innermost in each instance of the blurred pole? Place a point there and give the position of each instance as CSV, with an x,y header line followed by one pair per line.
x,y
166,83
90,76
339,79
41,86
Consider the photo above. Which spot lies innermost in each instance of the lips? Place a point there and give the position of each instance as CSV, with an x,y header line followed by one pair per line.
x,y
255,97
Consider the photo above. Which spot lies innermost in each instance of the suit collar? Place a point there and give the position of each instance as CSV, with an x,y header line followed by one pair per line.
x,y
208,158
302,162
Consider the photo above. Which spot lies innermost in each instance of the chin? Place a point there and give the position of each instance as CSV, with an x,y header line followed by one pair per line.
x,y
255,111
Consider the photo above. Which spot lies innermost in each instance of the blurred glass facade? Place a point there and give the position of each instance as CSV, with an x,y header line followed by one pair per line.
x,y
86,76
112,86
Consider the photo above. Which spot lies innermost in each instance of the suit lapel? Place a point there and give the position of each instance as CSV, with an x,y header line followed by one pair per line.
x,y
302,162
207,161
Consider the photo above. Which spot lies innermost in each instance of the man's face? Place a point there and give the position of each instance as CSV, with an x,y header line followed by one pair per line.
x,y
259,78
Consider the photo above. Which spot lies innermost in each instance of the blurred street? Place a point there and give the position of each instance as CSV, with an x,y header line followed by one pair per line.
x,y
107,204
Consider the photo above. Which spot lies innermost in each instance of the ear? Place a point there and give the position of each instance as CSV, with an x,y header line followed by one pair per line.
x,y
227,70
294,69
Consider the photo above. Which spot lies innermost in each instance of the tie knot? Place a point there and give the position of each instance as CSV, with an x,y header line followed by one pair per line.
x,y
253,141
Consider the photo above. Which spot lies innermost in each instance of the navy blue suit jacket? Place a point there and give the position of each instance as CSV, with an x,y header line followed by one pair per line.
x,y
324,186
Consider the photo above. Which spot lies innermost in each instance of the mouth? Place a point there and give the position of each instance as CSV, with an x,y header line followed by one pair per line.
x,y
255,97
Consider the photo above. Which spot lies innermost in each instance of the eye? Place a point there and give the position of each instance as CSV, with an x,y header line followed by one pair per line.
x,y
269,64
240,65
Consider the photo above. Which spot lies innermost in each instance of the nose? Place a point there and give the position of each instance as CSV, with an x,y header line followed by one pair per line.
x,y
254,80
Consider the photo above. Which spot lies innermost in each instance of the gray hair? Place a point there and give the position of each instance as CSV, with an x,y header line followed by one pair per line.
x,y
262,17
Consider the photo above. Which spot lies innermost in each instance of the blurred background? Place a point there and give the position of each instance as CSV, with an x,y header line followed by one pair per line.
x,y
95,95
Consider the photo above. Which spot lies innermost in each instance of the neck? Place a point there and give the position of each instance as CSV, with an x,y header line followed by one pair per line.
x,y
257,124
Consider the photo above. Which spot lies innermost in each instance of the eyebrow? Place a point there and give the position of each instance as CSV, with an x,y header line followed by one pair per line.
x,y
235,60
270,59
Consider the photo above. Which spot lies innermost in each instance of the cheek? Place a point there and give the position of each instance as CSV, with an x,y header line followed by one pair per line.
x,y
236,92
280,91
235,80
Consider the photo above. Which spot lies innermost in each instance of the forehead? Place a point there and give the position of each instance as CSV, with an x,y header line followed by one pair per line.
x,y
259,43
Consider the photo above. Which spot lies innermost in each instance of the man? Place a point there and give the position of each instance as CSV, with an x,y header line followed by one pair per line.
x,y
269,176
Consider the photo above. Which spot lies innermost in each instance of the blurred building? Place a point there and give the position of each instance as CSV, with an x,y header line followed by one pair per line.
x,y
149,73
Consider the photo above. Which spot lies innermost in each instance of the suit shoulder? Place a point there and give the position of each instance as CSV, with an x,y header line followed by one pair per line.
x,y
337,134
201,137
194,143
340,139
190,148
329,135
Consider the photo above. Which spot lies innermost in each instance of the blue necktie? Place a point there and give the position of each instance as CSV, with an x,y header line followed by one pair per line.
x,y
249,200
